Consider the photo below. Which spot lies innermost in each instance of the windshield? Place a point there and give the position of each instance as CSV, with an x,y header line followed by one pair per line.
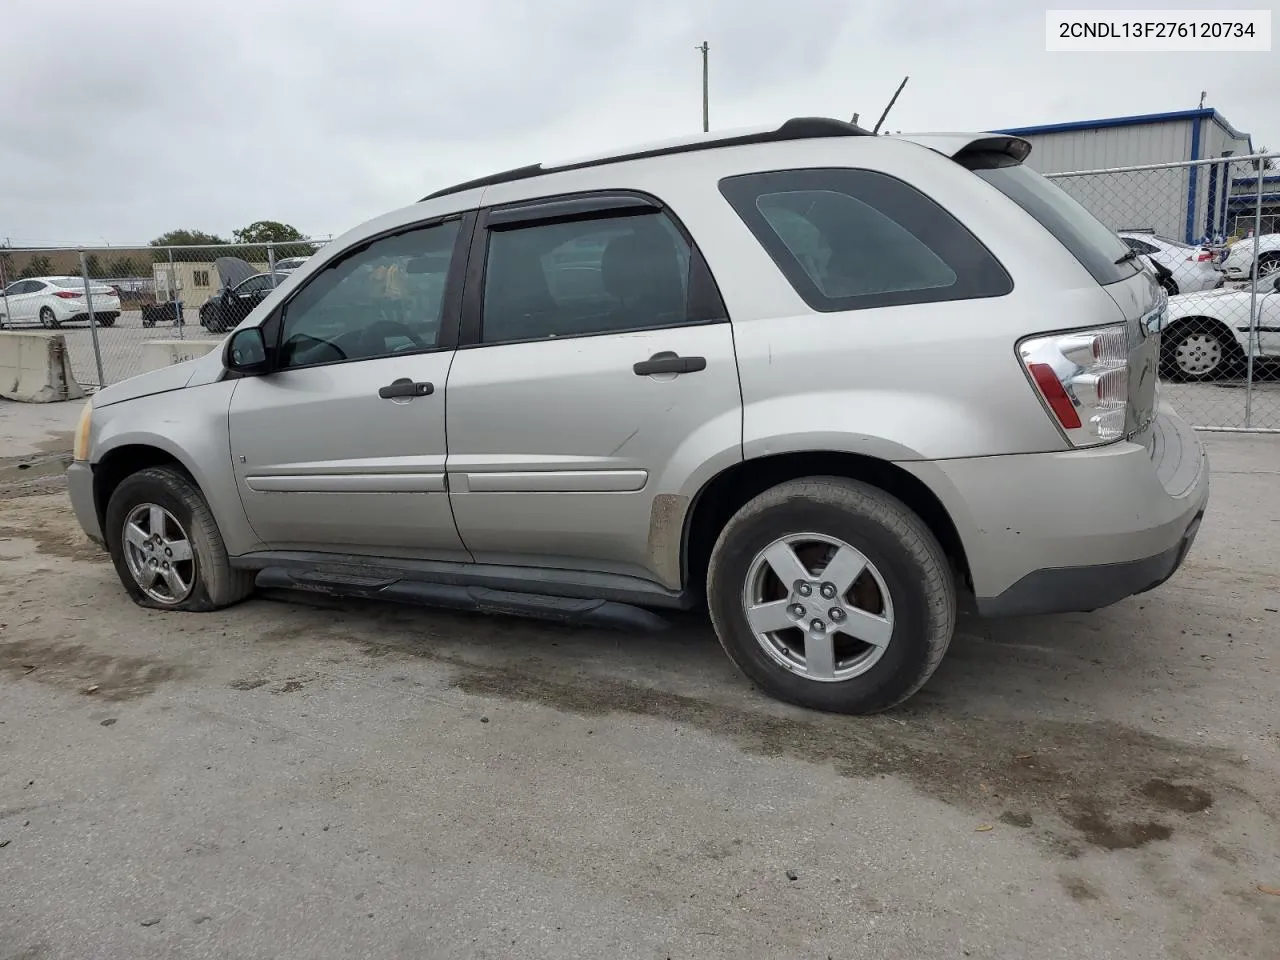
x,y
1096,247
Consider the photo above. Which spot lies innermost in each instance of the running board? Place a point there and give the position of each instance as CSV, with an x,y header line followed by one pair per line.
x,y
473,599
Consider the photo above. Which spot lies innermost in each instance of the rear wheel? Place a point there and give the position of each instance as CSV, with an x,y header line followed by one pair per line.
x,y
48,319
166,546
831,594
1197,350
105,321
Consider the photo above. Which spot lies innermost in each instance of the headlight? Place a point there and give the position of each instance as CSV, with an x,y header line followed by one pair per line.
x,y
84,433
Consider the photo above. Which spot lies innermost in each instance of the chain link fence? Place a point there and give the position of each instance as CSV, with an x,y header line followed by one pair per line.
x,y
121,309
1210,229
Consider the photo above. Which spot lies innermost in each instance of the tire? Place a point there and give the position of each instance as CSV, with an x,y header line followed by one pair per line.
x,y
48,319
905,561
105,321
1267,263
212,582
1197,350
1170,286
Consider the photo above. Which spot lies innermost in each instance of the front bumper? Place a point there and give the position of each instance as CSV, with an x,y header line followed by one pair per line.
x,y
80,486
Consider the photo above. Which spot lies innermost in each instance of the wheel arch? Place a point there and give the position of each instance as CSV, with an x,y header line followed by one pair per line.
x,y
1202,321
121,462
725,493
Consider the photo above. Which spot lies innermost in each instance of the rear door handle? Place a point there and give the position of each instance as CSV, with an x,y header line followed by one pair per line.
x,y
404,387
669,362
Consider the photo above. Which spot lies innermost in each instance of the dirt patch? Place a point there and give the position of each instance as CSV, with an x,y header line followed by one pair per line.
x,y
53,540
1080,890
74,667
1090,775
1016,819
38,473
247,684
1182,797
48,522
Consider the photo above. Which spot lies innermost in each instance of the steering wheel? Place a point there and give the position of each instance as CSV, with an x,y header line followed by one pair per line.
x,y
376,334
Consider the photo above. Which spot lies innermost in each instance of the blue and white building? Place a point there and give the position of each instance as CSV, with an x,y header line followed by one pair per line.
x,y
1184,203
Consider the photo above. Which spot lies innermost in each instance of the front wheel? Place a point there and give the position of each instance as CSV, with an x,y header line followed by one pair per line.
x,y
831,594
1268,264
48,319
166,546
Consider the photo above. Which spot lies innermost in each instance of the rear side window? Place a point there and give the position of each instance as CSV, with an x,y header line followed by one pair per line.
x,y
853,239
584,277
1096,247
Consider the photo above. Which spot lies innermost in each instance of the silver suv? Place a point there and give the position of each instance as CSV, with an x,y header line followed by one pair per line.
x,y
820,381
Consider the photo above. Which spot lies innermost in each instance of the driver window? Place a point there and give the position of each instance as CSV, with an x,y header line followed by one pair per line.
x,y
384,299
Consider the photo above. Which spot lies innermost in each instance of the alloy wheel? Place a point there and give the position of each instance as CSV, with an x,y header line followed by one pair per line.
x,y
818,607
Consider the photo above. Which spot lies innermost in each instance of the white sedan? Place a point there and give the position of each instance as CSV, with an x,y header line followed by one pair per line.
x,y
53,301
1193,268
1206,335
1239,262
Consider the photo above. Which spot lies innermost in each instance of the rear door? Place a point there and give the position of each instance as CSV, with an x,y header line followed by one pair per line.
x,y
595,376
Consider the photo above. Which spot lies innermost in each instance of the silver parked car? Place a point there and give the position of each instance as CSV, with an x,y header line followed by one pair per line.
x,y
820,381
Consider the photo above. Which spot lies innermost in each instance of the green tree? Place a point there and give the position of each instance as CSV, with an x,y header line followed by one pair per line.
x,y
37,266
93,264
268,231
125,267
7,270
186,238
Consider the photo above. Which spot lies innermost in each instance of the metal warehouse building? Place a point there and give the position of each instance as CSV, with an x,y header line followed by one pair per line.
x,y
1180,203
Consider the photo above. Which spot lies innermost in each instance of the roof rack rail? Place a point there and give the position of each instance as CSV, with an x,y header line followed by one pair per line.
x,y
797,128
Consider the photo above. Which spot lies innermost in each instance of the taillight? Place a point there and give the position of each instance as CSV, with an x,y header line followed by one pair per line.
x,y
67,294
1083,378
1200,256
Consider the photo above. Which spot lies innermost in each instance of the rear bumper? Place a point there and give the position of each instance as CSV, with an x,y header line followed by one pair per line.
x,y
1080,529
1081,589
80,487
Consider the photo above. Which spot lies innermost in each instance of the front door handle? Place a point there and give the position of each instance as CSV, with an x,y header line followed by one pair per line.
x,y
404,387
669,362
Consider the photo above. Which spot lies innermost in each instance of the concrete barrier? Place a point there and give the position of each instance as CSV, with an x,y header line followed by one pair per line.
x,y
165,353
35,368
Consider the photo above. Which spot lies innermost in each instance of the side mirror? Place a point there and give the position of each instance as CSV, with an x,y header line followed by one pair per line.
x,y
246,351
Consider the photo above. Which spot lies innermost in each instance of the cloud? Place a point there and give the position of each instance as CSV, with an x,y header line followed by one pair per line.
x,y
150,115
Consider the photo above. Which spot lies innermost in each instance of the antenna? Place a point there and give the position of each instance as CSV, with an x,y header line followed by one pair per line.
x,y
891,103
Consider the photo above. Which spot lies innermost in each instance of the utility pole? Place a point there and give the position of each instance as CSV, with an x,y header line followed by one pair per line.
x,y
704,47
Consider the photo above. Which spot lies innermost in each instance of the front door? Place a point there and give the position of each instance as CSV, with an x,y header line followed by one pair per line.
x,y
596,381
22,301
342,447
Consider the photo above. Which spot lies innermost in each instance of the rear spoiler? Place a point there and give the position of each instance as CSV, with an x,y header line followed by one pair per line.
x,y
966,148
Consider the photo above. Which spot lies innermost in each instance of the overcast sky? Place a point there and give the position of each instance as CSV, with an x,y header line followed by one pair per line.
x,y
129,118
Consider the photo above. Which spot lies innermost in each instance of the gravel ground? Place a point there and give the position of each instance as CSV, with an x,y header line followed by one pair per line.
x,y
315,780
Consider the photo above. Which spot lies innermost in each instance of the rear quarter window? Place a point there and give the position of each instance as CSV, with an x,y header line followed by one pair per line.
x,y
1083,234
851,239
